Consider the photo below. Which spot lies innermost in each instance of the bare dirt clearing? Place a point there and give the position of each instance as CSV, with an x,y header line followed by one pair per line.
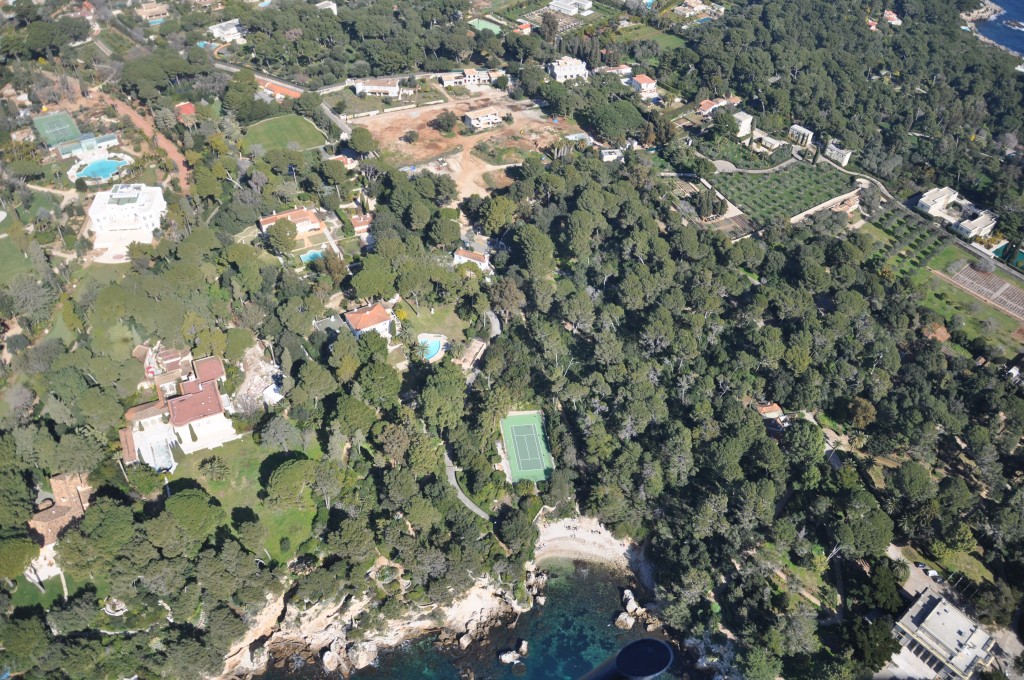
x,y
530,130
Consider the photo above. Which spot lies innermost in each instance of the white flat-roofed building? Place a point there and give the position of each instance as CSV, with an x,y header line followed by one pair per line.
x,y
838,154
572,7
378,87
948,643
328,5
482,119
568,68
801,135
744,124
126,213
962,216
228,31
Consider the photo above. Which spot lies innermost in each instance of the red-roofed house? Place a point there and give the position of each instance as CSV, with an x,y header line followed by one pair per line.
x,y
375,317
71,493
277,91
523,29
304,219
462,256
361,223
188,414
185,112
645,86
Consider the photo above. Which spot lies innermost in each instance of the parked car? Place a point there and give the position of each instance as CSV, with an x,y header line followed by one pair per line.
x,y
931,572
920,565
938,579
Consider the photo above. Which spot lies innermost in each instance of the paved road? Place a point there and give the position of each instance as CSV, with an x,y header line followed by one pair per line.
x,y
449,470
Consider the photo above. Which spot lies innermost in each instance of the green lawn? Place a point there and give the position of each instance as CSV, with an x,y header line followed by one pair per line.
x,y
28,594
641,32
958,562
12,261
278,133
444,320
782,194
240,489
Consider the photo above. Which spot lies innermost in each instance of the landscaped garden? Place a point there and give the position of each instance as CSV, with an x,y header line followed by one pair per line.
x,y
278,133
783,194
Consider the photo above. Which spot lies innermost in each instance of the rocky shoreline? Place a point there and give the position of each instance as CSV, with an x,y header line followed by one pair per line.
x,y
988,11
326,635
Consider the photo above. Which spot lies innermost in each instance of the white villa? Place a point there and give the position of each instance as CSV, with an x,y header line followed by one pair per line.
x,y
378,87
229,31
645,86
126,213
482,119
463,256
959,214
744,124
572,7
568,68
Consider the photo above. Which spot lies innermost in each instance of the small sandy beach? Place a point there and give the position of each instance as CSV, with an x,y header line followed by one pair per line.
x,y
581,538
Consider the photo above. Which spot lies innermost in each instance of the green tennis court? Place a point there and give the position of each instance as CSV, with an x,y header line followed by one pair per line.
x,y
56,128
528,455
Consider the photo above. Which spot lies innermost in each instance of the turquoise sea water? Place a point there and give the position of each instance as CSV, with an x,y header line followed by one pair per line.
x,y
568,636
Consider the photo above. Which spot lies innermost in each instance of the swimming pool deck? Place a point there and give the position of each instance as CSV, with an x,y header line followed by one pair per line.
x,y
424,338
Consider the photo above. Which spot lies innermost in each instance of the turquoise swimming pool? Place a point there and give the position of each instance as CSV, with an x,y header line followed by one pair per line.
x,y
431,348
104,168
311,256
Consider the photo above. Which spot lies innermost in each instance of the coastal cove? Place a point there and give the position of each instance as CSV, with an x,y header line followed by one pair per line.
x,y
582,573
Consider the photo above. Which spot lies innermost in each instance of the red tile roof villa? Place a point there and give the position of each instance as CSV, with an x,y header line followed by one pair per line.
x,y
367,317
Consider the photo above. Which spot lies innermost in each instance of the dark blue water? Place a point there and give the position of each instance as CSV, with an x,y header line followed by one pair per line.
x,y
568,636
996,30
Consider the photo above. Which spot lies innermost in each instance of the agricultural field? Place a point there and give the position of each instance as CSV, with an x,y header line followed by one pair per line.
x,y
909,247
278,133
782,194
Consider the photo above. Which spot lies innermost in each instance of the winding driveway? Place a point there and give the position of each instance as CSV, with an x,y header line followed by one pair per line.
x,y
449,471
149,129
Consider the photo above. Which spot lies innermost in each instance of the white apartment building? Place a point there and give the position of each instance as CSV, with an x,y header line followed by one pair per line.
x,y
126,213
568,68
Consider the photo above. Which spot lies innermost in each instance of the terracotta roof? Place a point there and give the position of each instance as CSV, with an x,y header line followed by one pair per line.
x,y
144,411
367,317
128,450
470,255
140,352
71,493
201,403
185,109
706,106
770,407
295,215
644,80
280,90
208,368
937,332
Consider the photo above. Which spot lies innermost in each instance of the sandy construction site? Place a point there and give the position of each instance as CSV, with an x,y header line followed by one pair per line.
x,y
530,130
